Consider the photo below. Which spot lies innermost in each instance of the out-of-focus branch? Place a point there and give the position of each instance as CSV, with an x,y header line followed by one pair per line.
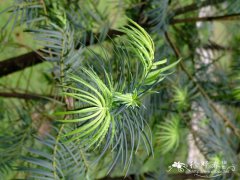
x,y
28,96
196,6
33,58
217,47
201,90
18,63
228,17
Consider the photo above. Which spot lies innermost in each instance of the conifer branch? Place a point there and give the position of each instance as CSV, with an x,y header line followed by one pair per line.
x,y
201,89
33,58
21,62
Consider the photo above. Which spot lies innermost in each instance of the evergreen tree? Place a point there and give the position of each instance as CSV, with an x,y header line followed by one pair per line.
x,y
99,89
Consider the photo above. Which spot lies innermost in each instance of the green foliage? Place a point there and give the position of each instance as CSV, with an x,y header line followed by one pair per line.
x,y
180,97
236,91
104,105
14,140
58,161
211,132
168,134
96,113
105,109
23,12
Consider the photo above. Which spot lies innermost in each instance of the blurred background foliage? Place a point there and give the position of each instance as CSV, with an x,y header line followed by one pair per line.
x,y
193,117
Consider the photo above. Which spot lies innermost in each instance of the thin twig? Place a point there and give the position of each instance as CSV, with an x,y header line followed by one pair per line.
x,y
228,17
28,96
196,6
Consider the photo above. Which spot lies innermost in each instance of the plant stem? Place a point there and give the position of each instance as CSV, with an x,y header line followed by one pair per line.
x,y
27,96
228,17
